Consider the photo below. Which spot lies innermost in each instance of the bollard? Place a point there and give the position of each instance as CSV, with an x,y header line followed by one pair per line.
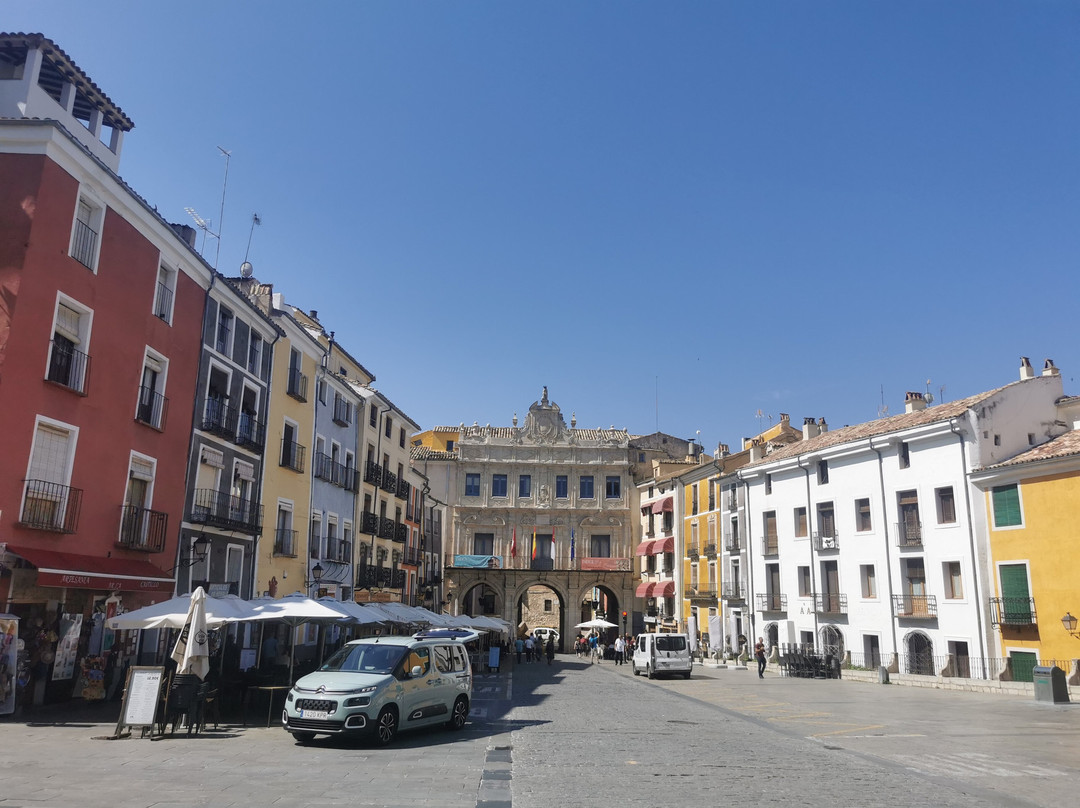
x,y
883,675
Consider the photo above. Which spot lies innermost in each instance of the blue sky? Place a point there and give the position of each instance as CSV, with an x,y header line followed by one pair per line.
x,y
674,215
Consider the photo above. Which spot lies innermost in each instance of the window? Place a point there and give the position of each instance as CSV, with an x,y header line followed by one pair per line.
x,y
869,581
954,584
693,499
805,588
140,528
49,503
483,544
600,546
401,437
769,518
69,363
525,485
472,485
388,426
285,536
613,488
548,604
85,241
585,487
234,566
151,406
946,506
641,457
800,522
163,296
315,539
768,483
826,520
449,446
1031,438
561,487
373,414
823,471
255,354
910,526
1006,506
862,515
904,455
1016,606
498,485
223,339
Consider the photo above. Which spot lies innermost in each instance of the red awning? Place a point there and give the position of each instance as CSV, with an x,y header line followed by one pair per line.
x,y
664,545
663,505
642,590
645,548
93,572
655,589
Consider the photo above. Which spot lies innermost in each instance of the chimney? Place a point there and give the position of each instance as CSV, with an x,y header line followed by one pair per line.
x,y
186,232
785,419
809,429
822,427
1026,370
722,450
314,315
914,402
1050,369
755,452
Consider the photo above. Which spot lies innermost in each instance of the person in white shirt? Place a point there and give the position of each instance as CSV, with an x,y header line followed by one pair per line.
x,y
620,650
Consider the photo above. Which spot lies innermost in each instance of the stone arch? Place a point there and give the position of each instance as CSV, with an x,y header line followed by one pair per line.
x,y
919,656
831,641
465,598
565,622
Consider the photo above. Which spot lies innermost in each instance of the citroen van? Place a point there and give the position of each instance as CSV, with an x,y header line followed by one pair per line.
x,y
662,655
380,685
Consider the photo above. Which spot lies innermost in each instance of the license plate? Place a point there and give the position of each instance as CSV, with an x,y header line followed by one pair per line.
x,y
319,715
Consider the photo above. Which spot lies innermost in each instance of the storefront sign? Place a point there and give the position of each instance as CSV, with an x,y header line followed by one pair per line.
x,y
109,583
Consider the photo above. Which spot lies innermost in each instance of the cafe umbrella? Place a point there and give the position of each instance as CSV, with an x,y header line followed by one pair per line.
x,y
294,610
192,650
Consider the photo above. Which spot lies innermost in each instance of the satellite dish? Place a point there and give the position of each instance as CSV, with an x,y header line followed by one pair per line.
x,y
929,398
246,269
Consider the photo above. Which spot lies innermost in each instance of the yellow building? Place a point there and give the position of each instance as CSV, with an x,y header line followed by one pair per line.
x,y
1032,507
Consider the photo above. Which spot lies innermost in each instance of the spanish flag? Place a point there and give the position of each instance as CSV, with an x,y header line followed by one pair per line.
x,y
534,545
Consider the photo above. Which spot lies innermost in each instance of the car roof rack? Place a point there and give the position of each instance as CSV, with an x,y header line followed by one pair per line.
x,y
462,634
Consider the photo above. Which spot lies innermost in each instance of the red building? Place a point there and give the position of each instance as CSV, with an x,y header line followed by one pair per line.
x,y
101,312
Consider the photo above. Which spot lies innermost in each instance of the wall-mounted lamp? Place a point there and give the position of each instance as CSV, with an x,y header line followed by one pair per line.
x,y
316,576
1069,623
199,550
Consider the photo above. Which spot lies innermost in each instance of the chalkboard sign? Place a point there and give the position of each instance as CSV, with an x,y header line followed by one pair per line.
x,y
141,695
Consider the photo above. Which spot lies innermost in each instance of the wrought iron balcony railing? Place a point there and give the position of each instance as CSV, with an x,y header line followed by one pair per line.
x,y
701,592
342,411
292,455
693,551
1012,612
829,603
732,543
163,304
50,506
918,606
404,488
285,542
387,528
250,433
401,532
389,481
369,523
734,591
352,479
84,244
297,385
339,550
142,529
218,418
373,473
216,508
152,408
412,556
68,367
908,534
710,550
824,542
771,603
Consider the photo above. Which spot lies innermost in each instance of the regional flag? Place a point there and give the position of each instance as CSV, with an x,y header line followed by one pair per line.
x,y
534,545
571,544
513,544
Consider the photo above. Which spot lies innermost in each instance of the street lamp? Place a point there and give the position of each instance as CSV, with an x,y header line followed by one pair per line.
x,y
199,548
1069,623
316,575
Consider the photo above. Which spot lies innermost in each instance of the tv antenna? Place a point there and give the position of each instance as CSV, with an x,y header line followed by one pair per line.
x,y
883,408
206,225
203,224
245,268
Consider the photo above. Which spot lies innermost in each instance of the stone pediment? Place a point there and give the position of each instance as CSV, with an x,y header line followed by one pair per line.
x,y
544,423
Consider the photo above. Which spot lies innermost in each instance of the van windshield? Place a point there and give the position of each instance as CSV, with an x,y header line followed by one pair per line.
x,y
365,658
671,643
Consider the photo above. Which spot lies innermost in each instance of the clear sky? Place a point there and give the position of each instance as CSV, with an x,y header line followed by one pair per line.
x,y
673,214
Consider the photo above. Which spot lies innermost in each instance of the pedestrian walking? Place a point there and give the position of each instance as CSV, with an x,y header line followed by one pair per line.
x,y
529,648
550,649
759,653
593,642
620,650
519,648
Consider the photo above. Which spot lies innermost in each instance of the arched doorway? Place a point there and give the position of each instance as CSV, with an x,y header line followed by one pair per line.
x,y
600,602
920,654
772,635
832,641
542,606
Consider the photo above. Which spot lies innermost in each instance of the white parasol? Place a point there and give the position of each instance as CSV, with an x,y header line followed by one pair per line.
x,y
173,613
192,650
596,622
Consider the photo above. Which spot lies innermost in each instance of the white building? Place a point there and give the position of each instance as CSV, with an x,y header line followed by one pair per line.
x,y
870,539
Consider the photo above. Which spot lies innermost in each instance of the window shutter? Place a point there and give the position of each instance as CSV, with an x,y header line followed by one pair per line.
x,y
1006,506
212,457
245,471
67,322
1014,582
142,470
51,452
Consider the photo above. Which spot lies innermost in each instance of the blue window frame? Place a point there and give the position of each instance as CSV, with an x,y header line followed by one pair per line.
x,y
525,485
613,487
585,487
472,485
498,485
561,487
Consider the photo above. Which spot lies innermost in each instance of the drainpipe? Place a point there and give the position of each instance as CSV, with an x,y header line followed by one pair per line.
x,y
888,553
983,649
810,536
749,557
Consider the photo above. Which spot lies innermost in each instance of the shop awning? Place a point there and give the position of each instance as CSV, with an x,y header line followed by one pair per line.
x,y
92,572
664,545
655,589
664,505
645,548
642,590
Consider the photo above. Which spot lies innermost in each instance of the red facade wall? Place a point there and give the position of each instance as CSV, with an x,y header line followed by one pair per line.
x,y
37,205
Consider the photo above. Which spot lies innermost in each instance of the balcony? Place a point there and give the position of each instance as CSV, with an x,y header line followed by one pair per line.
x,y
770,546
339,550
218,509
908,534
401,532
218,418
734,591
84,244
68,367
285,542
829,603
701,592
369,576
826,541
163,302
732,543
373,473
693,551
731,502
710,550
404,489
50,506
326,469
389,482
387,528
772,603
341,411
1012,612
412,557
292,455
922,607
352,479
151,409
251,434
297,385
142,529
369,523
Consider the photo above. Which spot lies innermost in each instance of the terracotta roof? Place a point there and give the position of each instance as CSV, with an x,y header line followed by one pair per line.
x,y
114,116
1066,445
424,453
509,432
882,426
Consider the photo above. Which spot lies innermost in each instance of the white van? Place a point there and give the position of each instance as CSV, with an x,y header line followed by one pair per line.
x,y
662,654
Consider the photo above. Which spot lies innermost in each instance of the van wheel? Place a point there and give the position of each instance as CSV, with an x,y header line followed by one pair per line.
x,y
633,667
649,672
304,737
459,714
686,675
386,726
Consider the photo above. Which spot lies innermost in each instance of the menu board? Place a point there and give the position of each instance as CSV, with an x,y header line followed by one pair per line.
x,y
141,697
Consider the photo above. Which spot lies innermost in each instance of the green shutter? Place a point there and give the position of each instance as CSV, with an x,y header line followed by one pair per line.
x,y
1015,595
1006,506
1022,664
